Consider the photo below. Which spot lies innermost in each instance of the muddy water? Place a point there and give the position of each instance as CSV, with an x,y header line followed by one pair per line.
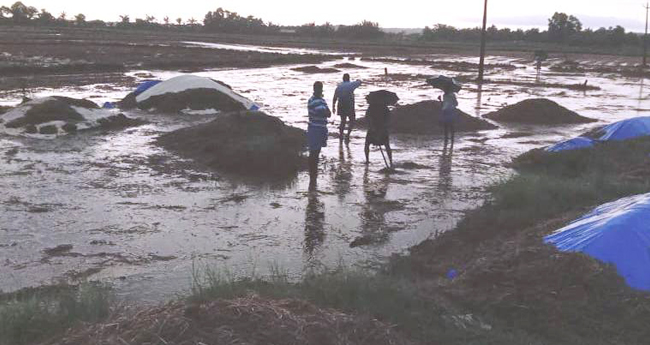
x,y
114,207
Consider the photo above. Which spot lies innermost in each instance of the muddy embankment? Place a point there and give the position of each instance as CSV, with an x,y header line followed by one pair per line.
x,y
495,264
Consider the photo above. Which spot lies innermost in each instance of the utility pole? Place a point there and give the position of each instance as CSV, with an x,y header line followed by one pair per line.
x,y
481,64
645,36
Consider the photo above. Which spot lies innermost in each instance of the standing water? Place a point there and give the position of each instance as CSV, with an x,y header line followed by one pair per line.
x,y
117,208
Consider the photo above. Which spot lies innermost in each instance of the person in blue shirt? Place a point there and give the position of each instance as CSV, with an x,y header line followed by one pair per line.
x,y
344,96
317,129
449,113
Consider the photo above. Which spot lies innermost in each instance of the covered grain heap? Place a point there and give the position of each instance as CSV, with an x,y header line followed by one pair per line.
x,y
60,115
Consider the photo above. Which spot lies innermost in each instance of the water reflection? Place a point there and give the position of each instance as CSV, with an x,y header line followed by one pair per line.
x,y
445,178
342,173
479,97
314,224
373,213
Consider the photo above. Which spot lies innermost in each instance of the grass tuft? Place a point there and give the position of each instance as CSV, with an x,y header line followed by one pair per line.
x,y
31,315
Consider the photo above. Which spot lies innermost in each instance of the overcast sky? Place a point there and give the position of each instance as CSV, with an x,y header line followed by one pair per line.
x,y
400,13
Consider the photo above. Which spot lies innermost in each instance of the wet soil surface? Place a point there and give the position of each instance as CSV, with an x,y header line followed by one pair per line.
x,y
115,207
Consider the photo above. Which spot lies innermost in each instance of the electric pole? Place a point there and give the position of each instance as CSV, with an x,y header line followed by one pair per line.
x,y
481,64
645,36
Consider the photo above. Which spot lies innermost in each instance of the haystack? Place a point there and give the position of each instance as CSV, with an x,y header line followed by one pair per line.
x,y
539,111
250,143
60,115
425,118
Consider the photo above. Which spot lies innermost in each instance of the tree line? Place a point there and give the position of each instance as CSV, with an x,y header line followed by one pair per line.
x,y
562,28
220,20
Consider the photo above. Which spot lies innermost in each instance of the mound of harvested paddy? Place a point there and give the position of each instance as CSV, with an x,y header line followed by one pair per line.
x,y
425,117
349,66
315,70
250,143
538,111
60,115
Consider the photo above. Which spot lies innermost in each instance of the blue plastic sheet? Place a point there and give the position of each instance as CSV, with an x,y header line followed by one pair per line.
x,y
617,233
627,129
618,131
109,105
572,144
146,85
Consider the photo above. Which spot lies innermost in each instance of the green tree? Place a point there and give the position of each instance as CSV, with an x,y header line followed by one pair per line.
x,y
46,17
20,12
364,30
562,26
80,19
179,21
225,21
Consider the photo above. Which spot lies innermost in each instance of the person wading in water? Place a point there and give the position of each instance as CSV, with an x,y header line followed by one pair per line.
x,y
344,94
316,130
449,113
378,115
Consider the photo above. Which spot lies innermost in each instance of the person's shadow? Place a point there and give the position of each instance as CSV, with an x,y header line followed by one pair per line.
x,y
314,223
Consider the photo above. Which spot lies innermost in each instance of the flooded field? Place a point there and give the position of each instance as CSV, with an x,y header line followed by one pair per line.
x,y
115,207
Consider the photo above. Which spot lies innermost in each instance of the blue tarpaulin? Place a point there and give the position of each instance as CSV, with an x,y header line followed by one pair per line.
x,y
146,85
617,233
572,144
618,131
626,129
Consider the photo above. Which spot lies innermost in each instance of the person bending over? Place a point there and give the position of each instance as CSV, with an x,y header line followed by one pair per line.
x,y
378,116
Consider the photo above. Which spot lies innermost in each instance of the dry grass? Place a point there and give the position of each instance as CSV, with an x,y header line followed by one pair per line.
x,y
247,320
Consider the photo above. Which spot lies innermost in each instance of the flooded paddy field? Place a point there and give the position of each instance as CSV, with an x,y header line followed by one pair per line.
x,y
114,207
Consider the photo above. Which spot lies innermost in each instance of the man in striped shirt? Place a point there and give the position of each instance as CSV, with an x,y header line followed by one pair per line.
x,y
317,129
